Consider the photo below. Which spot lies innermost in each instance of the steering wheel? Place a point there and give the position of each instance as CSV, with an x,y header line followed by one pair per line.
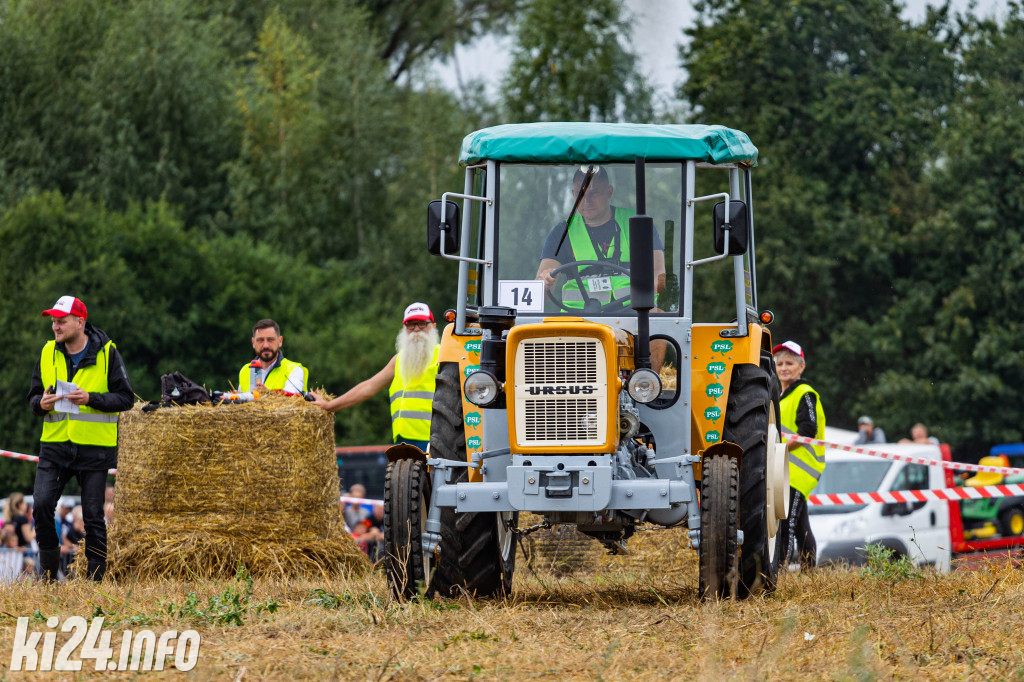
x,y
591,306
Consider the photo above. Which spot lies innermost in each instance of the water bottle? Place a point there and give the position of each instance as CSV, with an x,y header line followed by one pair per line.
x,y
255,374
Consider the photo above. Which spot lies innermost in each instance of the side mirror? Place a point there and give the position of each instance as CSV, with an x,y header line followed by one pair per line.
x,y
738,228
447,224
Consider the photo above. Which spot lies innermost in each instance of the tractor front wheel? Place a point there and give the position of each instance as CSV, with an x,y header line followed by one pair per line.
x,y
406,502
719,516
752,422
477,552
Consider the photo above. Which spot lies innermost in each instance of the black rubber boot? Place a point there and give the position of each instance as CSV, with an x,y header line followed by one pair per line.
x,y
97,565
49,564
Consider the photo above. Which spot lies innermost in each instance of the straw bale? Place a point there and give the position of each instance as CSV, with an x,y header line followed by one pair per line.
x,y
201,488
563,550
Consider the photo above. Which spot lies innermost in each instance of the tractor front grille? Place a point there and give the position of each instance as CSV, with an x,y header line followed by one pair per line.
x,y
560,393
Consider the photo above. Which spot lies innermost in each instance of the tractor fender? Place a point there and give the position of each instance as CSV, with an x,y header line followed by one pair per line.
x,y
405,451
724,447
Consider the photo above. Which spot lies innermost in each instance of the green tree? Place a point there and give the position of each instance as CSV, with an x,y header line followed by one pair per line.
x,y
571,62
948,345
157,120
45,51
411,31
844,101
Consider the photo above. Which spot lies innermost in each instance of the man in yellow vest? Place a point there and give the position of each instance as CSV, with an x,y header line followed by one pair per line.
x,y
270,370
411,374
803,415
78,387
598,231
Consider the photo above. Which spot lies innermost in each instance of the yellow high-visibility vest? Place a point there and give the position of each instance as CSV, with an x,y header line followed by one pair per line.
x,y
583,249
277,380
89,426
410,403
806,462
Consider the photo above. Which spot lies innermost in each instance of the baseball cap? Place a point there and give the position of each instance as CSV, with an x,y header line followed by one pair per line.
x,y
418,311
791,346
67,305
865,420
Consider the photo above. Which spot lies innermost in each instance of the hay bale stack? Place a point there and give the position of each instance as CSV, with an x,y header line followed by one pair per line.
x,y
200,488
665,551
563,550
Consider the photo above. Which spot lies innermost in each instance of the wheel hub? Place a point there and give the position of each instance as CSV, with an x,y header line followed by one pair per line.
x,y
777,475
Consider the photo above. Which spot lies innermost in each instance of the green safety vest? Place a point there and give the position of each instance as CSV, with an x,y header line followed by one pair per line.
x,y
583,249
277,379
89,426
806,462
410,403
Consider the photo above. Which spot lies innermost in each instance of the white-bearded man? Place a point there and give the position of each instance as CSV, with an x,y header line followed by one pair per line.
x,y
410,373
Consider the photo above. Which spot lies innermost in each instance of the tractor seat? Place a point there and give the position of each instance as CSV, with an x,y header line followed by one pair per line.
x,y
983,478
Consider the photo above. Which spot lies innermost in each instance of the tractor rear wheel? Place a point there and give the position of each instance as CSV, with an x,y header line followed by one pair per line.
x,y
406,502
477,552
753,403
719,516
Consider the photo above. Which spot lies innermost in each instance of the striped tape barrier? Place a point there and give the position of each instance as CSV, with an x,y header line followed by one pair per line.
x,y
958,466
32,458
939,494
362,500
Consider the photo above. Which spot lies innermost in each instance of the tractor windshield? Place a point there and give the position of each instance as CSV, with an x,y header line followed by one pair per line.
x,y
581,256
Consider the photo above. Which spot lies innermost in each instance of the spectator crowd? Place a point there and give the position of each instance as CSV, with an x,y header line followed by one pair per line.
x,y
18,547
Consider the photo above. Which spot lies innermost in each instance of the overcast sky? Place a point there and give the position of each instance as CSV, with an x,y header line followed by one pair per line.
x,y
658,29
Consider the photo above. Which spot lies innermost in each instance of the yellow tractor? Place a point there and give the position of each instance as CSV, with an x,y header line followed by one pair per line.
x,y
574,381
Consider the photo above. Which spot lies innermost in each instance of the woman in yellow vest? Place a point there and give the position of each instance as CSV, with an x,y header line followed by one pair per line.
x,y
803,415
411,374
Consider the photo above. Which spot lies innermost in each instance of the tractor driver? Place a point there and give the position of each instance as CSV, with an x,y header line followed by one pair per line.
x,y
598,231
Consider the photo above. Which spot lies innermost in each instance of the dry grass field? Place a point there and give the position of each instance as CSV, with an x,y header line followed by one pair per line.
x,y
624,619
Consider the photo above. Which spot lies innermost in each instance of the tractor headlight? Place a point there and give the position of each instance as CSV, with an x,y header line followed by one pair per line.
x,y
644,385
481,388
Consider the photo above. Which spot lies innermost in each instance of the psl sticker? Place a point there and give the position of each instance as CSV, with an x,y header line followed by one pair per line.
x,y
716,368
715,390
712,436
722,347
470,369
473,419
473,346
713,414
474,442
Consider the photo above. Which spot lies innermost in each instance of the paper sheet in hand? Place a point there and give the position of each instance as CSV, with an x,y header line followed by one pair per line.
x,y
65,388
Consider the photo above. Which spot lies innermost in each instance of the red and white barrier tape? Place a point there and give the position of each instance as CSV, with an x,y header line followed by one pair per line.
x,y
940,494
958,466
18,455
32,458
362,500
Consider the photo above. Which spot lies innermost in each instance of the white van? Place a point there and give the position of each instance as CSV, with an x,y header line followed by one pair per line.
x,y
919,530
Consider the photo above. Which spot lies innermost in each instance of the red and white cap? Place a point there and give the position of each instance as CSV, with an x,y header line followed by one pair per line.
x,y
791,346
67,305
418,311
